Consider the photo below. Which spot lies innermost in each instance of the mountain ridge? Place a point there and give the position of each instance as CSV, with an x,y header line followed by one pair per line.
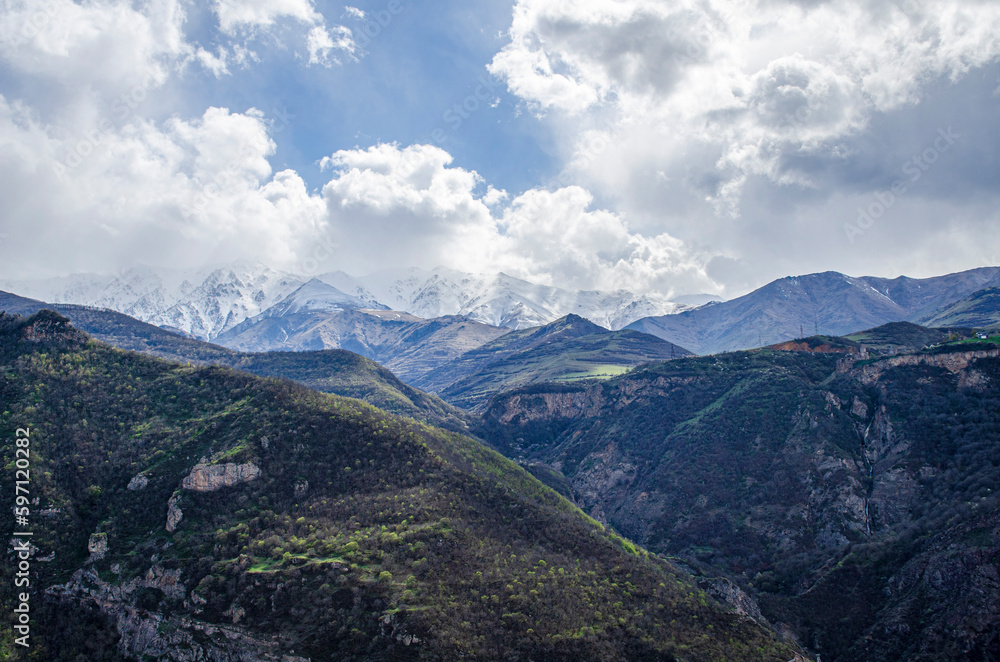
x,y
829,303
209,302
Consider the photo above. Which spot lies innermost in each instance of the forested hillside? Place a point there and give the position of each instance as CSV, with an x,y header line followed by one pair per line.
x,y
854,499
189,513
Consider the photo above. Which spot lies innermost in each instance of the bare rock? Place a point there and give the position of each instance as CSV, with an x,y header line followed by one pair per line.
x,y
138,482
211,477
97,546
174,513
859,408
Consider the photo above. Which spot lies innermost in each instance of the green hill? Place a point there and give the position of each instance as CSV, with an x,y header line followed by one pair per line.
x,y
189,512
855,501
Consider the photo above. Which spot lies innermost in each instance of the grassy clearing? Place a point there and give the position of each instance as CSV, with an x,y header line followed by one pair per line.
x,y
601,371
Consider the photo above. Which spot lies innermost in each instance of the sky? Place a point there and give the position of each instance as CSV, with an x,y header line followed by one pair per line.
x,y
671,147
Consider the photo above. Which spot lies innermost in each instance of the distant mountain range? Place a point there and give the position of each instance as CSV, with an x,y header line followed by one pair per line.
x,y
207,304
826,303
414,321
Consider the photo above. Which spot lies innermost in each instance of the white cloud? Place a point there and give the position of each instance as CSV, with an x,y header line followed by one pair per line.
x,y
183,193
392,205
214,63
320,44
236,14
554,237
757,79
105,43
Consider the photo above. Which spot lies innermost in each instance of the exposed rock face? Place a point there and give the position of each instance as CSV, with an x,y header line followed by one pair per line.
x,y
153,635
138,482
955,362
97,546
859,408
211,477
730,593
543,406
174,513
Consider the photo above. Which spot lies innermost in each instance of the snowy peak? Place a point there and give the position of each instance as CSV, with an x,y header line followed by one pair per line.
x,y
208,303
203,304
504,300
317,296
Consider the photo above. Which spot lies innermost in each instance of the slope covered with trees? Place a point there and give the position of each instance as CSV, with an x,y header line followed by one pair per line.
x,y
854,499
202,513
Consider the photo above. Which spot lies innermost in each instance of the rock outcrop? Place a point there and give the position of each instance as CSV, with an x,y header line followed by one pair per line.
x,y
174,513
138,482
97,546
154,635
211,477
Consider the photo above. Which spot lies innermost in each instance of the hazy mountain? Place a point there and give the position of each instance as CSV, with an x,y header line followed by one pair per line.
x,y
978,310
825,303
208,303
201,303
568,349
499,299
855,500
407,345
205,514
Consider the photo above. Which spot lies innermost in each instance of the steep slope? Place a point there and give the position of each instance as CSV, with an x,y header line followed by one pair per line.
x,y
900,337
407,345
853,499
978,310
593,356
332,371
503,347
315,296
200,513
828,303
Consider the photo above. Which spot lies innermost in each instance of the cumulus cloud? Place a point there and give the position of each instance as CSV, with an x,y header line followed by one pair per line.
x,y
321,43
236,14
693,104
757,79
251,16
106,43
181,192
395,205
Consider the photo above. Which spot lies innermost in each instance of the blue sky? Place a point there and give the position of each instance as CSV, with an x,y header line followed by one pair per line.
x,y
403,88
691,146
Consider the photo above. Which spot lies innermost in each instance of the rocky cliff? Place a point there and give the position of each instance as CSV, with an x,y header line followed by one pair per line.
x,y
851,499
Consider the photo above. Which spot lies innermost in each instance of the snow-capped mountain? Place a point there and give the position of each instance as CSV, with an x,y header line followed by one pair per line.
x,y
203,304
208,303
317,296
498,299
